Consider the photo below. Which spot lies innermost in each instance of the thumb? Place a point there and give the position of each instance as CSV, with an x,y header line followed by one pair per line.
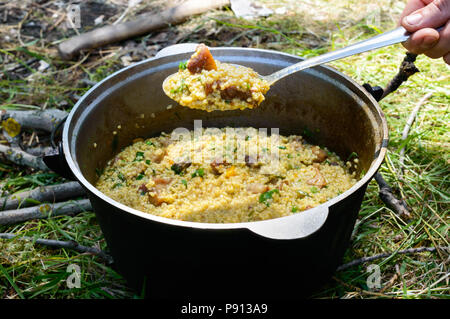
x,y
433,15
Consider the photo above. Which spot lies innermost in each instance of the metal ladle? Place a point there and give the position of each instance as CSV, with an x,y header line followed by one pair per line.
x,y
397,35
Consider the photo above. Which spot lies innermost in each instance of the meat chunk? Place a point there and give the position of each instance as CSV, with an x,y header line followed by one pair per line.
x,y
318,179
157,156
202,59
154,193
257,188
179,168
320,153
232,92
218,166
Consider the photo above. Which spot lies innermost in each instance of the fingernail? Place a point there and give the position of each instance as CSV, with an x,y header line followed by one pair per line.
x,y
413,19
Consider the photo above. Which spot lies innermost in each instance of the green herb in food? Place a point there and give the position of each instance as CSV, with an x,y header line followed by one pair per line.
x,y
182,65
267,196
139,157
198,172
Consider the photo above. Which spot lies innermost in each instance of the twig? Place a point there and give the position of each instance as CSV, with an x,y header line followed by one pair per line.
x,y
44,211
52,193
73,245
409,123
407,68
22,158
384,255
386,195
41,120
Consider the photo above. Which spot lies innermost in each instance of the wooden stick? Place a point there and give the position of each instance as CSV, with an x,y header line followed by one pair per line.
x,y
38,150
8,217
73,245
387,196
407,68
143,24
45,120
409,123
22,158
52,193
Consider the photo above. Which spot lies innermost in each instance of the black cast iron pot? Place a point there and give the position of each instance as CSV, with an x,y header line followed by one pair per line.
x,y
280,258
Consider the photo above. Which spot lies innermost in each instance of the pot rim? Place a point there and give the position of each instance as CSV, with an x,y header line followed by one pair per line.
x,y
376,163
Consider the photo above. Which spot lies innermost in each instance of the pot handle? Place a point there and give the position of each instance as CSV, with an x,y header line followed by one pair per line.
x,y
296,226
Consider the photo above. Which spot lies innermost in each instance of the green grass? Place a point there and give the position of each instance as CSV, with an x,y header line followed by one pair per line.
x,y
32,271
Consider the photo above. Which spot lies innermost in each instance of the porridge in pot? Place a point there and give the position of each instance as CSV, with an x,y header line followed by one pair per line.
x,y
223,177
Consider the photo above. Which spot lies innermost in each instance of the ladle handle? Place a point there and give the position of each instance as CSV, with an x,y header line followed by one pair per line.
x,y
395,36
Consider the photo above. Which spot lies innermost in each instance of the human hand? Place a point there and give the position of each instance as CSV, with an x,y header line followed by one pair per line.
x,y
421,17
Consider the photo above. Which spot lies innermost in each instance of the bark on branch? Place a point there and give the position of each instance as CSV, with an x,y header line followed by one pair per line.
x,y
22,158
387,196
52,193
44,211
45,120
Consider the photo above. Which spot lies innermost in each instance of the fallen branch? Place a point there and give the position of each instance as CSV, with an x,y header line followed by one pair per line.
x,y
52,193
38,150
143,24
44,211
409,123
22,158
387,196
73,245
384,255
45,120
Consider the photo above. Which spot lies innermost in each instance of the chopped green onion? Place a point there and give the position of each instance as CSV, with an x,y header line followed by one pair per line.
x,y
198,172
182,65
267,196
139,157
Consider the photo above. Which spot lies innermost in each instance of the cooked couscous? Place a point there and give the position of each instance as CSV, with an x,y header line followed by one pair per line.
x,y
223,177
206,84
